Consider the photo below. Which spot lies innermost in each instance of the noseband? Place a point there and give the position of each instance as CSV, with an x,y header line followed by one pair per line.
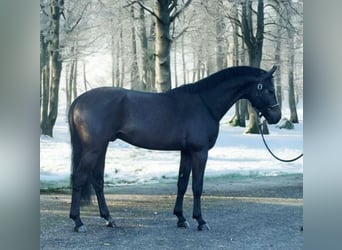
x,y
267,108
273,106
260,114
261,111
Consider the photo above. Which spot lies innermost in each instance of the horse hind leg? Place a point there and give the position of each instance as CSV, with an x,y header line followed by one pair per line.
x,y
80,180
98,183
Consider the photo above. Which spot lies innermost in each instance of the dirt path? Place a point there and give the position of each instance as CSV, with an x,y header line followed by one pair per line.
x,y
243,213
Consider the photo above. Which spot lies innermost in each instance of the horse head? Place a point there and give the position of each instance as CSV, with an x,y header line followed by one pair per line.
x,y
263,97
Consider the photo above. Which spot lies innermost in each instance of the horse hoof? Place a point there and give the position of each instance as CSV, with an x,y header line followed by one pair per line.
x,y
183,224
111,224
203,227
81,229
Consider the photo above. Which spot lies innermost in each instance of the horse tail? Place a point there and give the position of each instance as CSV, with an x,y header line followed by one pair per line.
x,y
76,155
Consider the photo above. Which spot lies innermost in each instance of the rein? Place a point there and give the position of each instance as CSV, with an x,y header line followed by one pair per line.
x,y
269,150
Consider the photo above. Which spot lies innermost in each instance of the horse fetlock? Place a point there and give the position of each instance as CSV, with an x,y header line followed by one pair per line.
x,y
202,225
111,223
199,220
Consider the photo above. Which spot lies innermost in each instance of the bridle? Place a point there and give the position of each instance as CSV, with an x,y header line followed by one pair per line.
x,y
260,87
268,148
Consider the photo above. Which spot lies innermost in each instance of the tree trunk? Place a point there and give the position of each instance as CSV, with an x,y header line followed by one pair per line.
x,y
84,77
74,80
175,64
243,112
118,54
163,43
44,82
277,77
135,79
254,45
220,25
122,72
292,97
239,118
113,55
70,72
164,12
151,82
195,67
71,78
234,121
145,50
183,61
243,103
55,67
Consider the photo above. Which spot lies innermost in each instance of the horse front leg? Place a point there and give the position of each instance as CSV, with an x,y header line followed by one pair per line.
x,y
198,167
182,184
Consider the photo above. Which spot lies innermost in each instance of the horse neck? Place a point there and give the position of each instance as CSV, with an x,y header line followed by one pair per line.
x,y
221,98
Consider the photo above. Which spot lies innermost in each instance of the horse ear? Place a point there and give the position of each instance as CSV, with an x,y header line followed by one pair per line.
x,y
274,68
269,73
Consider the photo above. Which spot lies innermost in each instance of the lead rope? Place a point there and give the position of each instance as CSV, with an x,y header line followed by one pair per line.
x,y
269,150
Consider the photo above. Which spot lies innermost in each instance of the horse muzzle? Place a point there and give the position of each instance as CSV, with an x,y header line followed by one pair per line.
x,y
272,114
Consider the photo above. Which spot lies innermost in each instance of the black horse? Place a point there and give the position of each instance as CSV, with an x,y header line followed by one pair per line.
x,y
185,119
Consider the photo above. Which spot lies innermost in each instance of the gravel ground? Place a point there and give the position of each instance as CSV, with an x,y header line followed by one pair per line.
x,y
243,213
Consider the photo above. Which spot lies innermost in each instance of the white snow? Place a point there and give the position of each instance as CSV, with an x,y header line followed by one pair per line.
x,y
234,153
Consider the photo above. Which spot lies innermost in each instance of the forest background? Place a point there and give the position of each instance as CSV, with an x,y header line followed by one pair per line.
x,y
155,45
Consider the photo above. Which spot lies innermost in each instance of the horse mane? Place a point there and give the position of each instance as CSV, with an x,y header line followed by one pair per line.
x,y
216,78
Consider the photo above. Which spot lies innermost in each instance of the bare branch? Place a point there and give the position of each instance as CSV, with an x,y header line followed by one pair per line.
x,y
172,5
142,5
260,20
71,29
42,9
234,20
246,24
177,12
180,33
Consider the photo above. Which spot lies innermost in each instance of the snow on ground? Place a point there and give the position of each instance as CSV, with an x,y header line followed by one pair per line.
x,y
235,153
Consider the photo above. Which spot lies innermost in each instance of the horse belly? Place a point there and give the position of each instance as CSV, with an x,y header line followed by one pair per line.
x,y
153,137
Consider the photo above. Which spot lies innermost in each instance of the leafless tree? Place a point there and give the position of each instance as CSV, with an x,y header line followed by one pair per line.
x,y
51,64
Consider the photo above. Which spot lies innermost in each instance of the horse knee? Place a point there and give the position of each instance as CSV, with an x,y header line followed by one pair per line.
x,y
182,186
